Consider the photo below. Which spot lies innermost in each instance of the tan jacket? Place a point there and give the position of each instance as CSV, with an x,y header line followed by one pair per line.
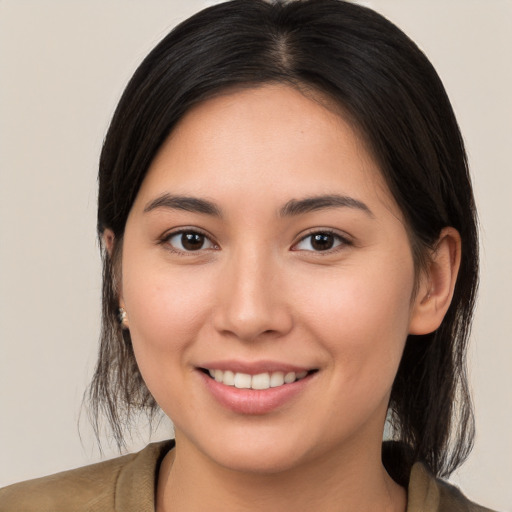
x,y
127,484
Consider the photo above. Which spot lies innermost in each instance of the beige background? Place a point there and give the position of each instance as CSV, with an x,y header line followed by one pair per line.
x,y
63,66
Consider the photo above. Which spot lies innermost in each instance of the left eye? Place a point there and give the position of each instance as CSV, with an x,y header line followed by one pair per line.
x,y
188,241
320,241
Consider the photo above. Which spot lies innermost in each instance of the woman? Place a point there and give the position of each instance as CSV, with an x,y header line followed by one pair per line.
x,y
290,257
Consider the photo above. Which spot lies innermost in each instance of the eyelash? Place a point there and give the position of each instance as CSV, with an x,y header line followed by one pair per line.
x,y
343,241
165,240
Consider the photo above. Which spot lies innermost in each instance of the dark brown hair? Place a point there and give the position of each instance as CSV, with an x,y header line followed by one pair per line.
x,y
394,97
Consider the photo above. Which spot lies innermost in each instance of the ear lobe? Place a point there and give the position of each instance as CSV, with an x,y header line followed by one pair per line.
x,y
437,285
123,317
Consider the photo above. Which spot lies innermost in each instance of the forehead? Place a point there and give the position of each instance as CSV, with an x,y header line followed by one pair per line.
x,y
273,140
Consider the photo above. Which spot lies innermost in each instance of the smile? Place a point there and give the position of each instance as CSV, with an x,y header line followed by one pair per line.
x,y
257,388
260,381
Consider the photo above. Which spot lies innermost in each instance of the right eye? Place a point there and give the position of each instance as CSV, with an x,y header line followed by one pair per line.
x,y
189,241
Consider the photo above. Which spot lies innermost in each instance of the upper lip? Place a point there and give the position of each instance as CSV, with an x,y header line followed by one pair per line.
x,y
253,367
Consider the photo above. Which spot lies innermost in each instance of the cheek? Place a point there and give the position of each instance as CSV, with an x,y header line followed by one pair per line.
x,y
361,313
165,308
166,312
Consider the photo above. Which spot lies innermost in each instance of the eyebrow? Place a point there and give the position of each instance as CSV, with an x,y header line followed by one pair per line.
x,y
291,208
311,204
188,204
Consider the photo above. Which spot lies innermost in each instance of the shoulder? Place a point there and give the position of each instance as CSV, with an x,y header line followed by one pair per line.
x,y
93,488
88,488
429,494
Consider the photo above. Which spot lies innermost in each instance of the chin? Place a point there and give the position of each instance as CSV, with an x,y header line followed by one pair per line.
x,y
249,450
259,461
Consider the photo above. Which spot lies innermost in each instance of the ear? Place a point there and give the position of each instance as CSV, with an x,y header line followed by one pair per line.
x,y
108,241
437,284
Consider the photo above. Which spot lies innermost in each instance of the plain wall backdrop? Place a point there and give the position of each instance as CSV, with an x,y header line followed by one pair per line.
x,y
63,66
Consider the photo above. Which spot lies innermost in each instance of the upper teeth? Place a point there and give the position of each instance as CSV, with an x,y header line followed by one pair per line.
x,y
261,381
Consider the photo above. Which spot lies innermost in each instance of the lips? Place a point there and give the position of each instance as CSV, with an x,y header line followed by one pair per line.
x,y
258,388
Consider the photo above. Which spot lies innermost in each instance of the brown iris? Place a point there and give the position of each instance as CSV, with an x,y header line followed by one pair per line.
x,y
322,241
192,241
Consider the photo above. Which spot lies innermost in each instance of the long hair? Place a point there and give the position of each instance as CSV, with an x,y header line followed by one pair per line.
x,y
392,95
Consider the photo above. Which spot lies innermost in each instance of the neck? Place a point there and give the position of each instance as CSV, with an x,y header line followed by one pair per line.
x,y
190,481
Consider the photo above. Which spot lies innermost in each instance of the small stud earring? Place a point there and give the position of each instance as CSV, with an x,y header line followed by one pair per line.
x,y
123,318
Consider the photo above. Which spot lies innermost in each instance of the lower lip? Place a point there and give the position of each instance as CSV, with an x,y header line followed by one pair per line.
x,y
254,401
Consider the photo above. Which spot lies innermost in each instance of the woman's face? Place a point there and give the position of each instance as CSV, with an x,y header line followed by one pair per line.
x,y
265,248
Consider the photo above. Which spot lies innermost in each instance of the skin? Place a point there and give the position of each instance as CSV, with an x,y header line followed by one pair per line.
x,y
259,290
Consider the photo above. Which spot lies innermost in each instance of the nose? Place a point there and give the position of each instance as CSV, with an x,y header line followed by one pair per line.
x,y
251,299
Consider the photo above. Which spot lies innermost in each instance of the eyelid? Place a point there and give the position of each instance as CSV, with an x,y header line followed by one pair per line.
x,y
345,240
164,239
